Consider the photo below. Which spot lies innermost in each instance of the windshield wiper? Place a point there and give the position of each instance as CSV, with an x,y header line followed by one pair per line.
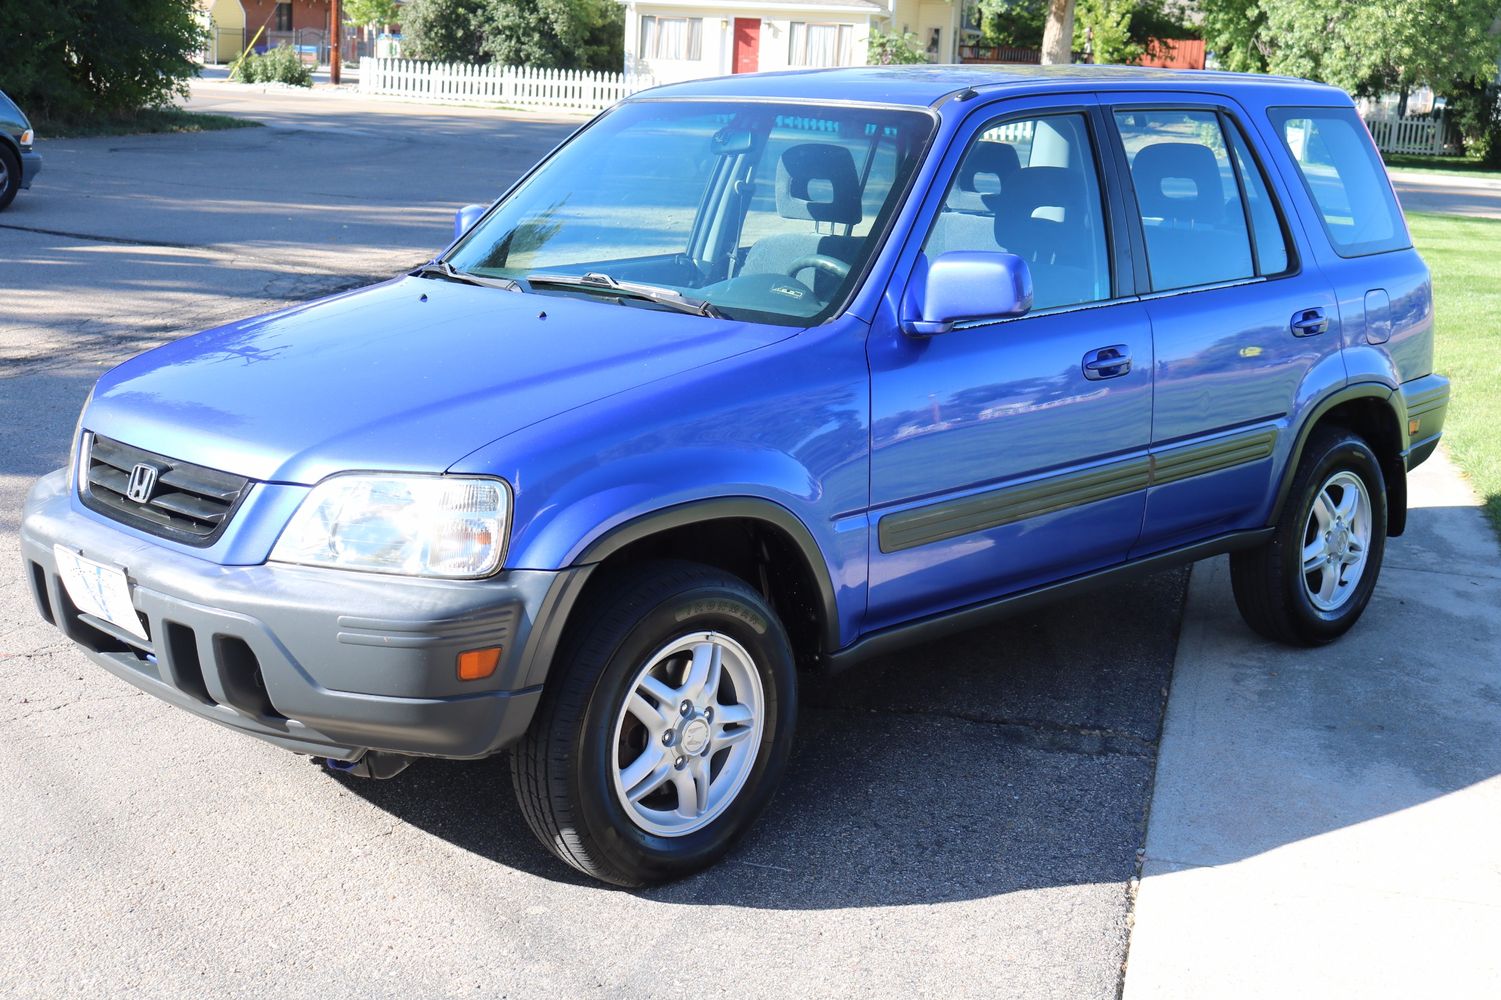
x,y
603,284
443,269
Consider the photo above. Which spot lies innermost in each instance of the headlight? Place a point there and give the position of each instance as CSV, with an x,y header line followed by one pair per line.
x,y
442,526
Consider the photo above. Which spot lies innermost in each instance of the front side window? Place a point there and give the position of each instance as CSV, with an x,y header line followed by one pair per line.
x,y
672,37
767,212
1030,187
1344,176
819,44
1190,202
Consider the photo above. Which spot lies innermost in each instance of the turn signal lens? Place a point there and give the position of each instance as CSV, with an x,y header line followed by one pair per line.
x,y
27,137
1412,426
477,664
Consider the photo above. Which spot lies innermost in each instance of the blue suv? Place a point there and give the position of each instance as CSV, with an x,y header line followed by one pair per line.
x,y
750,376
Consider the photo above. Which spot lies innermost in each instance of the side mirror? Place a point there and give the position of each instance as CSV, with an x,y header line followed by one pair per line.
x,y
466,217
964,285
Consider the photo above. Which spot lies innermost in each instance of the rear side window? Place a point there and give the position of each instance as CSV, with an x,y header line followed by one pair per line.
x,y
1190,201
1344,177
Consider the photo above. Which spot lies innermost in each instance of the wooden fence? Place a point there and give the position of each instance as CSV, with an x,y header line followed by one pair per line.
x,y
517,86
1415,134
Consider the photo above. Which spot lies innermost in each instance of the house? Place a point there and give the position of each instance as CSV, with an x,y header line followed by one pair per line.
x,y
674,40
302,24
224,20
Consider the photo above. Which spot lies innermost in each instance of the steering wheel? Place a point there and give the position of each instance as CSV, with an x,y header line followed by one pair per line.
x,y
833,266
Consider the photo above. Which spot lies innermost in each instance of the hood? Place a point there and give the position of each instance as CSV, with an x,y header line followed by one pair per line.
x,y
409,375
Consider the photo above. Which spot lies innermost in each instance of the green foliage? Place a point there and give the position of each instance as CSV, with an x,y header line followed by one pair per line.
x,y
1105,26
1477,114
447,31
895,49
551,34
280,65
1013,23
371,13
1364,48
555,34
1020,24
1235,31
1153,19
77,59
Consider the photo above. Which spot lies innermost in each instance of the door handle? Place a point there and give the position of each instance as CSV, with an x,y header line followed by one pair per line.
x,y
1107,362
1309,322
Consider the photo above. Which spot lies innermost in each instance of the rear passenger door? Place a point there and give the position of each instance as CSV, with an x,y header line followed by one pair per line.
x,y
1010,453
1244,323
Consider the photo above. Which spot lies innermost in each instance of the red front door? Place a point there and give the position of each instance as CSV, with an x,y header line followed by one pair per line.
x,y
747,44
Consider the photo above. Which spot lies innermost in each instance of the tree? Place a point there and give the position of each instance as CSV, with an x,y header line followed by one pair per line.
x,y
1105,26
1363,48
1013,23
371,13
444,30
86,58
1058,33
557,34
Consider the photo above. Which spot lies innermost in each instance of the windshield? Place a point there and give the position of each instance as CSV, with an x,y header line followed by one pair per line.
x,y
766,212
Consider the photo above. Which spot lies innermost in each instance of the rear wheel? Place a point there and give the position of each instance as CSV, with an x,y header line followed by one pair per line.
x,y
665,728
1312,581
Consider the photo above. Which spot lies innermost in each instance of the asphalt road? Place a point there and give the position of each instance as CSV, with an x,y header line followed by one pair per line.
x,y
963,820
1448,194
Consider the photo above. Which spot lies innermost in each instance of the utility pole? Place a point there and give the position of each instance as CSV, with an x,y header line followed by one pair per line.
x,y
336,16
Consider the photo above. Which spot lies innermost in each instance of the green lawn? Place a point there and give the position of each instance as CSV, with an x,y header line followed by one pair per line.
x,y
1463,255
158,120
1470,166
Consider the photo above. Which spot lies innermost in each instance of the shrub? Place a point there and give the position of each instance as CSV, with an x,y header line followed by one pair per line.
x,y
85,59
280,65
1477,113
895,49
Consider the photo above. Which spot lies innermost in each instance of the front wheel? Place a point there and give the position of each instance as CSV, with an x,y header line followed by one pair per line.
x,y
1312,581
665,729
10,177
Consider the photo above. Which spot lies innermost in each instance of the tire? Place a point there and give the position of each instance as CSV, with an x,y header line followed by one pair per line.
x,y
713,768
10,176
1310,583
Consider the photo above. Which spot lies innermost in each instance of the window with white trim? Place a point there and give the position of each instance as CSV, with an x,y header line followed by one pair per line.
x,y
671,37
820,44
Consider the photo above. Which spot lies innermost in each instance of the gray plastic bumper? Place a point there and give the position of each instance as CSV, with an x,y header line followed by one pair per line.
x,y
1426,402
31,165
318,661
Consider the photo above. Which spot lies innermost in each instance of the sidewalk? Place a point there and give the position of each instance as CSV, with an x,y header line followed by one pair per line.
x,y
1327,823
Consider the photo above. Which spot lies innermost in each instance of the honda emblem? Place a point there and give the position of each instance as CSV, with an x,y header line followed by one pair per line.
x,y
142,483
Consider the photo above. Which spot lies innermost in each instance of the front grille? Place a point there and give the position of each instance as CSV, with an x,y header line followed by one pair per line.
x,y
188,503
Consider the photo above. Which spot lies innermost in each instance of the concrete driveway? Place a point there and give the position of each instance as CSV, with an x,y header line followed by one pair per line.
x,y
963,821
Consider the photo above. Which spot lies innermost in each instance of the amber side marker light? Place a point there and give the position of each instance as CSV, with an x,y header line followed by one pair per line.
x,y
477,664
1413,425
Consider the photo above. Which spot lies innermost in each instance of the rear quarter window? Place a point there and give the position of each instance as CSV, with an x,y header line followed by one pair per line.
x,y
1345,178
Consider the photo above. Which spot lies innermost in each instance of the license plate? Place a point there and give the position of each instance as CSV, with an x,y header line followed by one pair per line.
x,y
98,590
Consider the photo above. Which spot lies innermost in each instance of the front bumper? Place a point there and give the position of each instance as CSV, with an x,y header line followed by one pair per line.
x,y
318,661
31,165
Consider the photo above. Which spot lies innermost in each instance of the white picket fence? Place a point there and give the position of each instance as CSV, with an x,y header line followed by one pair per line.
x,y
517,86
1415,134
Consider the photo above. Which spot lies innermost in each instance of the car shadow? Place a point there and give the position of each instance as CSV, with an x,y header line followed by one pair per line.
x,y
1006,758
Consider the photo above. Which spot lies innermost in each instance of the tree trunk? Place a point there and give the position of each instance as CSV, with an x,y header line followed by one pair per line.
x,y
1058,34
